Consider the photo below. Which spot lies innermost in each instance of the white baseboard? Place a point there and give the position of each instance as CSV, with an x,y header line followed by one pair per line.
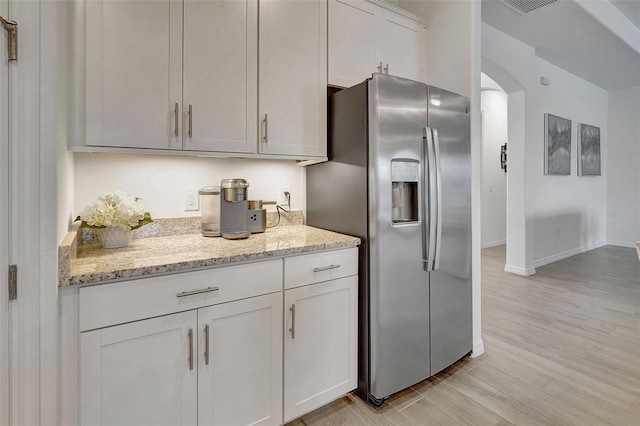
x,y
478,348
494,244
622,244
568,253
519,271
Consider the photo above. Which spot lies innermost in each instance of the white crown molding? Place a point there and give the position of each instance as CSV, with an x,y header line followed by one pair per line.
x,y
395,9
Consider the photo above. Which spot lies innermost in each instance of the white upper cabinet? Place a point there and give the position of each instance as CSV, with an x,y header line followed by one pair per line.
x,y
365,37
187,75
401,46
293,80
133,73
220,75
352,35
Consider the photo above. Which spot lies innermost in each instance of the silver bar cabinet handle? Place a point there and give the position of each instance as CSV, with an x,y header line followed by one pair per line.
x,y
191,349
190,130
386,69
176,120
265,137
325,268
436,147
206,344
202,290
293,321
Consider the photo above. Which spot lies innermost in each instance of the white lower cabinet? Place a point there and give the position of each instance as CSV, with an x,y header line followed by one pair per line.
x,y
220,365
320,344
139,373
240,362
207,347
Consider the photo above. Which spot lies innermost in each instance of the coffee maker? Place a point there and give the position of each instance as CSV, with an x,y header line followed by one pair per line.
x,y
233,209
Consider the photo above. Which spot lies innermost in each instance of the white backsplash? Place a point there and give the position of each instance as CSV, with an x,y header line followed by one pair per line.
x,y
161,181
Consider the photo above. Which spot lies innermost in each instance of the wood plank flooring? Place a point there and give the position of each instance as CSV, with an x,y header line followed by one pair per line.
x,y
562,347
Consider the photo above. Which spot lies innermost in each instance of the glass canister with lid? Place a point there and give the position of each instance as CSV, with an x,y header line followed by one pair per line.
x,y
210,209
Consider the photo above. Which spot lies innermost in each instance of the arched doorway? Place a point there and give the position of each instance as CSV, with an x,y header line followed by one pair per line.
x,y
517,235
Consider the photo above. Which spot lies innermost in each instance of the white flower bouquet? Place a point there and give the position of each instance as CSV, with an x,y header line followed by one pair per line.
x,y
115,209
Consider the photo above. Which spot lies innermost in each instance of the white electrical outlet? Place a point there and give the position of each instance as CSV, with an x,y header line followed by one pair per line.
x,y
191,200
284,201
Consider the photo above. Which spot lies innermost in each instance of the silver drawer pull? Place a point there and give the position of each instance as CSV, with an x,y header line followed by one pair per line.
x,y
202,290
293,321
176,117
325,268
190,359
206,344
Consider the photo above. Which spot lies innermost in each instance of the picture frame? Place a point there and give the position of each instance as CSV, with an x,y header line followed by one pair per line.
x,y
557,145
589,156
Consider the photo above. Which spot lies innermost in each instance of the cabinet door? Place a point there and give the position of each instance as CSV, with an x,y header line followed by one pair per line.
x,y
401,46
139,373
221,75
320,344
352,42
240,367
133,73
293,77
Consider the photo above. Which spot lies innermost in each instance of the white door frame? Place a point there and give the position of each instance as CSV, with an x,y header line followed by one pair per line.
x,y
26,188
4,222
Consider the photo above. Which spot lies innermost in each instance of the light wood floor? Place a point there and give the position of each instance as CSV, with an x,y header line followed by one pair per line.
x,y
561,347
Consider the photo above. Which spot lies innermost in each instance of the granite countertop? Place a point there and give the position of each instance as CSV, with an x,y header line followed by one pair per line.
x,y
91,263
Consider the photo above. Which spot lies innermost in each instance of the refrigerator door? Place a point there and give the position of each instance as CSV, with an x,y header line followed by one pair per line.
x,y
450,282
399,286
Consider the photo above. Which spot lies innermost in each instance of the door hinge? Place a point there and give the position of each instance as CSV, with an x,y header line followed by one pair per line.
x,y
12,38
13,282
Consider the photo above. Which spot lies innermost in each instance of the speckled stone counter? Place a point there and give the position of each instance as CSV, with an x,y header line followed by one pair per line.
x,y
91,263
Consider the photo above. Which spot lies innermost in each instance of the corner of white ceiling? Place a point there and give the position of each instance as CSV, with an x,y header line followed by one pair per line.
x,y
614,20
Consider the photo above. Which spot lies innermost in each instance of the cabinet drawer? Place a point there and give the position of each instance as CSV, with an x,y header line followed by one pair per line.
x,y
116,303
319,267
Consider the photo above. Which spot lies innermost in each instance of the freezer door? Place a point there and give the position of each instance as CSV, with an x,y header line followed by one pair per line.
x,y
450,282
398,284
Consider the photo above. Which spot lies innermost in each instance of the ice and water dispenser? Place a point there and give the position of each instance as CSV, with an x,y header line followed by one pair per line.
x,y
404,190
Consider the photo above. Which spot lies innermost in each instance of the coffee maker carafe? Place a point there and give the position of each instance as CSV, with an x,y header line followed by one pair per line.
x,y
233,209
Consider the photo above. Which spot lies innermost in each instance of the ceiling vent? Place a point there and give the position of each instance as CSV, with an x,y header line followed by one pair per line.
x,y
526,6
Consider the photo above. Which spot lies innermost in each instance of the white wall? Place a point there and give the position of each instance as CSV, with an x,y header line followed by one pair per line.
x,y
519,250
494,179
623,180
568,212
564,214
161,181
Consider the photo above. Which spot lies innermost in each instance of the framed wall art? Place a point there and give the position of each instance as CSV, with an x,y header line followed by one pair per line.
x,y
588,150
557,145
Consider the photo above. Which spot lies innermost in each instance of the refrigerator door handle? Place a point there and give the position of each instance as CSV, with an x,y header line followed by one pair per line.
x,y
436,148
428,236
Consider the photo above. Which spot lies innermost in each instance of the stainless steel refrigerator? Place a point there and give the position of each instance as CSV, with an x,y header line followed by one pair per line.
x,y
399,177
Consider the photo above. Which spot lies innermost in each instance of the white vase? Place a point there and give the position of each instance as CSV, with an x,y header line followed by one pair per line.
x,y
114,237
